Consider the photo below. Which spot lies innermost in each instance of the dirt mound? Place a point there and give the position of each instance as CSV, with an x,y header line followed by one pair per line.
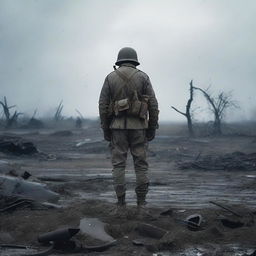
x,y
24,226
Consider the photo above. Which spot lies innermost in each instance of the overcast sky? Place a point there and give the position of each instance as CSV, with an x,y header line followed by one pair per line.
x,y
52,50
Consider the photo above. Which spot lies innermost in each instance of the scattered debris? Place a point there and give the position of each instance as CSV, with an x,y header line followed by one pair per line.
x,y
61,240
181,211
17,147
25,175
232,162
226,208
24,250
96,229
235,219
232,224
168,212
138,242
55,247
98,248
59,235
252,254
14,186
11,205
47,205
24,226
150,230
194,222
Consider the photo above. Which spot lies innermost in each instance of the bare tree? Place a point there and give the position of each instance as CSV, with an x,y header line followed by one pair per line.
x,y
10,119
58,116
187,114
218,105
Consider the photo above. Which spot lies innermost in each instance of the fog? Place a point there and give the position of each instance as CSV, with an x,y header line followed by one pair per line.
x,y
53,50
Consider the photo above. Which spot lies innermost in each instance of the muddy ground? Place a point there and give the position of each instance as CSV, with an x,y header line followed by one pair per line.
x,y
77,165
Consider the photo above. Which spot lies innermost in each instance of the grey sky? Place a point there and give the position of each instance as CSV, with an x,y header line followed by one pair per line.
x,y
59,49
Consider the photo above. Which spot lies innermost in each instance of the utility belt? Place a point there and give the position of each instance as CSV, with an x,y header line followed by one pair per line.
x,y
135,108
130,107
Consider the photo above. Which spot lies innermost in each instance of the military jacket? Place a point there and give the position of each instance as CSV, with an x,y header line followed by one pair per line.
x,y
112,91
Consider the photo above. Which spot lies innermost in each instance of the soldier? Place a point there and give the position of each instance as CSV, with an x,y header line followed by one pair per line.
x,y
129,118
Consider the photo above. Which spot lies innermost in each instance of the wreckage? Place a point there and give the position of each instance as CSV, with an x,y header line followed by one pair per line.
x,y
17,147
232,162
18,187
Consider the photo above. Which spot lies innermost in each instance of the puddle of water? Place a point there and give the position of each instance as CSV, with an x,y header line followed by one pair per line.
x,y
74,174
250,176
95,228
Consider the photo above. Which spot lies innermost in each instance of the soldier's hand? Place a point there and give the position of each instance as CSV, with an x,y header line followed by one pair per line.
x,y
150,134
107,134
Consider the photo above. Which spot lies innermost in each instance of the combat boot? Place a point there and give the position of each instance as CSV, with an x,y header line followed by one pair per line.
x,y
141,192
120,209
142,210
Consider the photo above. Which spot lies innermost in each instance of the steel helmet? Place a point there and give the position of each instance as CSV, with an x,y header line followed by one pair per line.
x,y
127,54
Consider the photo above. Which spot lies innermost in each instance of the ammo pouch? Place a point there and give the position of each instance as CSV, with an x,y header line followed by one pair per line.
x,y
120,106
139,108
134,108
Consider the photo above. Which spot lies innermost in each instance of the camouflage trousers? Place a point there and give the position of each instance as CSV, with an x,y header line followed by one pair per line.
x,y
121,142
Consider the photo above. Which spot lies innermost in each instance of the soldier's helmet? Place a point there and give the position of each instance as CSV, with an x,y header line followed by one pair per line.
x,y
127,54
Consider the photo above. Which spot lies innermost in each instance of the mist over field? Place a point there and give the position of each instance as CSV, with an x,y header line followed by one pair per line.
x,y
55,50
74,183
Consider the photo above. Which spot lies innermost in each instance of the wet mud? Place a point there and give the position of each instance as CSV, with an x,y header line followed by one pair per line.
x,y
78,168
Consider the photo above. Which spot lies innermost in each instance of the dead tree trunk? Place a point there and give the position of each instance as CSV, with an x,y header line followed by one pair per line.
x,y
187,114
58,116
10,120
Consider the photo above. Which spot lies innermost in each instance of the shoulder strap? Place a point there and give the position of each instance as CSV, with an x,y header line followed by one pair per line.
x,y
128,79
